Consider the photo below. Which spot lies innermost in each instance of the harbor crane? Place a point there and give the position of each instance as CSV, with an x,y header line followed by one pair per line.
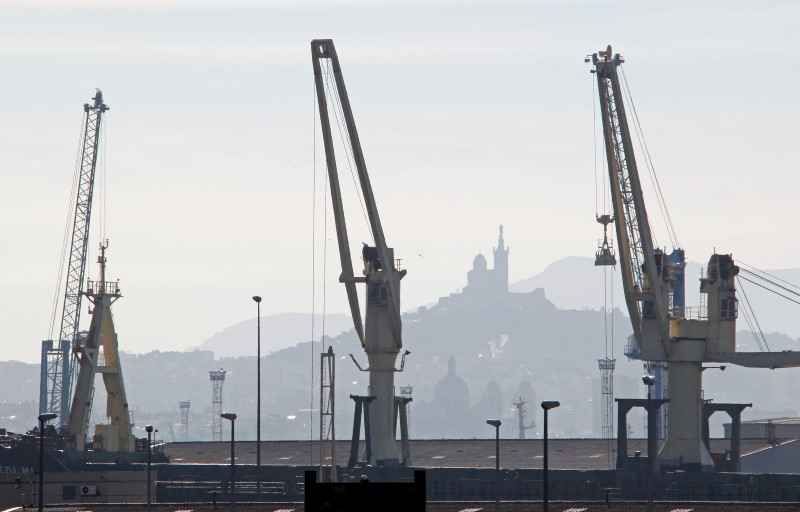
x,y
381,332
98,352
664,330
58,361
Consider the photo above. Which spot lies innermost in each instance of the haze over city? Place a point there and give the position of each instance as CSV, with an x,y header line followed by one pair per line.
x,y
471,114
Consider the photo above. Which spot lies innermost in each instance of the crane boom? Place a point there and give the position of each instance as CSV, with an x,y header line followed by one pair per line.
x,y
347,275
380,334
324,49
643,276
56,382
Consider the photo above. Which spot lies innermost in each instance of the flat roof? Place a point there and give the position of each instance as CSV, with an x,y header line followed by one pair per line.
x,y
585,454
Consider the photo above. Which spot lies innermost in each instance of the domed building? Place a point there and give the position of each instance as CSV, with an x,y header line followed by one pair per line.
x,y
491,403
482,279
451,402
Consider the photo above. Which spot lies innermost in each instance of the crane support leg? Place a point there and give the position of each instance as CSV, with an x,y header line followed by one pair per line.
x,y
684,445
381,385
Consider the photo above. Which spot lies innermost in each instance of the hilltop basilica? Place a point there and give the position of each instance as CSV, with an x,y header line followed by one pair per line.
x,y
484,280
488,287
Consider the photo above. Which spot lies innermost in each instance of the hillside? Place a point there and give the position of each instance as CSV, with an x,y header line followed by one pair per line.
x,y
472,353
277,332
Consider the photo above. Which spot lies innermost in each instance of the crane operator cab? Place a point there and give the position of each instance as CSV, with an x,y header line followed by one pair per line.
x,y
376,287
371,260
376,279
719,285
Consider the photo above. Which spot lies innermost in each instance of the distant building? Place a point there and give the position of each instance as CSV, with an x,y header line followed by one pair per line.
x,y
491,404
770,430
451,403
488,287
482,279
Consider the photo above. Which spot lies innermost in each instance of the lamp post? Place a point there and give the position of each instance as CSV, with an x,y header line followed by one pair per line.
x,y
546,405
257,299
496,424
149,430
43,418
649,380
232,418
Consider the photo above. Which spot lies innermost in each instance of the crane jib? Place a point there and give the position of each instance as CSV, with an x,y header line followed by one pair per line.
x,y
59,363
645,292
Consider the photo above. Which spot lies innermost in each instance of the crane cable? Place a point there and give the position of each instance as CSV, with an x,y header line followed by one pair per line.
x,y
769,290
755,327
103,181
348,145
68,224
323,337
755,273
594,135
662,204
606,192
313,263
739,262
606,185
773,281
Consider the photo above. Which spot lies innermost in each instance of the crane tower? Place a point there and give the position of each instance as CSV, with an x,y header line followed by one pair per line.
x,y
382,337
98,352
58,361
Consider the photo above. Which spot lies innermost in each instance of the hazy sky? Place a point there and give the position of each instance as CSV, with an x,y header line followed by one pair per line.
x,y
471,114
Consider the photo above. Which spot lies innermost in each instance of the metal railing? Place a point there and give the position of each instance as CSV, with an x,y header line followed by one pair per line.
x,y
102,288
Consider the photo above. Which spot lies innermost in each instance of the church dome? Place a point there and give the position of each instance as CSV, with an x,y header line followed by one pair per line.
x,y
452,390
479,263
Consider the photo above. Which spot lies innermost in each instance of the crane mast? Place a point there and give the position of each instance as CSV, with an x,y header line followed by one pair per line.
x,y
381,333
98,352
57,361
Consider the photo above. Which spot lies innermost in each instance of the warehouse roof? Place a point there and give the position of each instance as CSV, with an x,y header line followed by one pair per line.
x,y
514,453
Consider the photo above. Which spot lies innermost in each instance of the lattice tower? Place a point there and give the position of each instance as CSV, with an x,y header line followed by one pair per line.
x,y
327,432
217,380
606,366
185,420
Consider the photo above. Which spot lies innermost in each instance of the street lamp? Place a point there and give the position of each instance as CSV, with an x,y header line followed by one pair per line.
x,y
496,424
649,380
546,405
43,418
149,430
232,418
257,299
720,368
